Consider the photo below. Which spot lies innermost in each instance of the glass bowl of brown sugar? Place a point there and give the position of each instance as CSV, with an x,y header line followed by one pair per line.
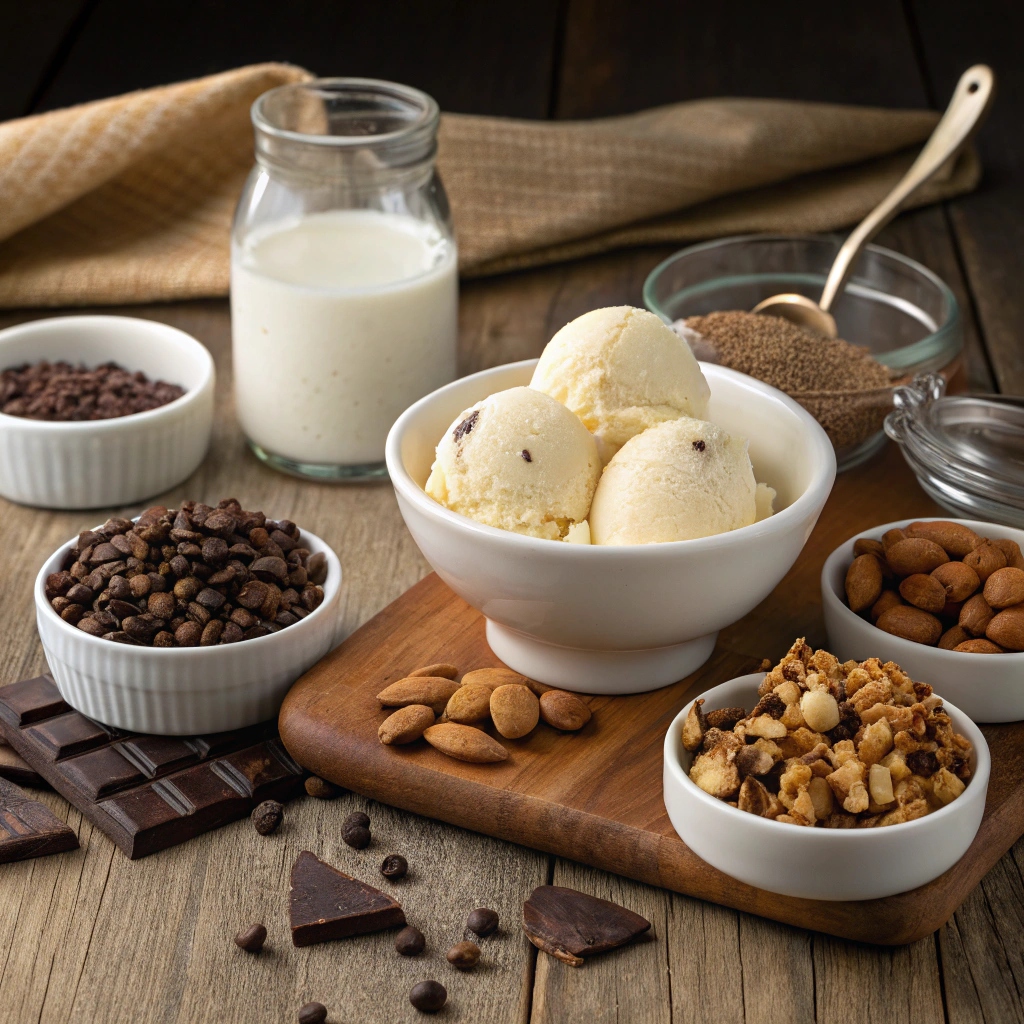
x,y
898,318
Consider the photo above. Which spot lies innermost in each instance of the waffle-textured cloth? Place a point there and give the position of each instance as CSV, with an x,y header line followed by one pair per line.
x,y
130,199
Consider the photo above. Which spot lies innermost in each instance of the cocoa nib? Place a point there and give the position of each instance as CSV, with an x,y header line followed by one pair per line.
x,y
466,425
571,925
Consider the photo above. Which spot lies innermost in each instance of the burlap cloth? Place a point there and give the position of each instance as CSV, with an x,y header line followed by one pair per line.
x,y
130,199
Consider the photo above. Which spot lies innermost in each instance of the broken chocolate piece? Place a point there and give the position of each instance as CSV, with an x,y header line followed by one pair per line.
x,y
29,828
571,925
16,769
325,903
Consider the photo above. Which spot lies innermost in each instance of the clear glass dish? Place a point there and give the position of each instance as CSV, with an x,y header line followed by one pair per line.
x,y
893,306
967,451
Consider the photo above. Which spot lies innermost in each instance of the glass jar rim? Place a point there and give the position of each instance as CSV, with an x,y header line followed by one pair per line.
x,y
423,108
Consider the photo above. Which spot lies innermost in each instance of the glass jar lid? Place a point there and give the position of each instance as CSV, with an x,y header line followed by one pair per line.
x,y
966,450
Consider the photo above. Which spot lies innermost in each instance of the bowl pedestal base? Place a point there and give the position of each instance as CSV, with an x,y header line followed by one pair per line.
x,y
598,672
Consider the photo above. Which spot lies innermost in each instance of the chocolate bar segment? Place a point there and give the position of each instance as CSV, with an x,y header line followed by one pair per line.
x,y
29,828
147,793
14,768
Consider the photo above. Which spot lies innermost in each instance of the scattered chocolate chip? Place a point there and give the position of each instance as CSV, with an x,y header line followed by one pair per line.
x,y
321,788
252,938
267,816
395,866
483,921
356,836
312,1013
428,996
410,941
463,955
466,425
527,457
699,446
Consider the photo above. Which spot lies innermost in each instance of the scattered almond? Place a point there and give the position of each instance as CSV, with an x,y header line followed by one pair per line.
x,y
406,724
911,624
469,703
515,710
889,599
924,592
465,743
959,580
564,710
985,559
863,582
953,637
1005,587
434,691
979,645
442,669
976,615
1007,628
915,554
955,539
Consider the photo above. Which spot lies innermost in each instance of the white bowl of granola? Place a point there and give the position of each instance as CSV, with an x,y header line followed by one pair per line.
x,y
913,841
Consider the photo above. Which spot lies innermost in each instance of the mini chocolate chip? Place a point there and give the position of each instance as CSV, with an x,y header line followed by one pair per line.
x,y
428,996
466,425
699,446
483,921
527,457
395,866
252,938
410,941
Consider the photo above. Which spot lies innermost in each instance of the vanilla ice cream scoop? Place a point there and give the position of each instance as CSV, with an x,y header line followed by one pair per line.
x,y
517,461
679,480
621,370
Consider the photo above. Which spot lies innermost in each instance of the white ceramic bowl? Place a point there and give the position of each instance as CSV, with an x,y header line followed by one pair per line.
x,y
987,687
97,463
616,619
819,863
190,690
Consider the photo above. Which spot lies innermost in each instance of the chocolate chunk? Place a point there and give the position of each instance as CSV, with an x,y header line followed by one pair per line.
x,y
252,938
466,425
571,925
29,828
527,457
147,793
325,903
699,446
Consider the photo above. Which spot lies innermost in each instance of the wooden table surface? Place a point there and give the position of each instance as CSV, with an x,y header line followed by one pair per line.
x,y
92,937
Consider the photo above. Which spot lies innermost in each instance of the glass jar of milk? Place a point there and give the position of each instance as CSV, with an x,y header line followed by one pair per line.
x,y
344,284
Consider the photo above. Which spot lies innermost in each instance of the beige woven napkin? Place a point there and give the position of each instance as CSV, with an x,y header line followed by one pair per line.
x,y
130,199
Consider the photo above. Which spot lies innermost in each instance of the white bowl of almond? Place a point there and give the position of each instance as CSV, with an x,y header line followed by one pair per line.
x,y
826,780
944,598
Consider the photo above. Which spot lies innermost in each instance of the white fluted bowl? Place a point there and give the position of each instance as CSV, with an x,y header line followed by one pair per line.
x,y
616,619
100,463
184,691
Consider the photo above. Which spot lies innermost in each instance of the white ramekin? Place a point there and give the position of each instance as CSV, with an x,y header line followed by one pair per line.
x,y
616,619
819,863
987,687
191,690
97,463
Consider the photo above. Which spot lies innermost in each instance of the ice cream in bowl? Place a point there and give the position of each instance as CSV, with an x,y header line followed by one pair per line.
x,y
612,506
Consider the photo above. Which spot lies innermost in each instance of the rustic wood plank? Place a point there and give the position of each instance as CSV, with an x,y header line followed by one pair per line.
x,y
479,58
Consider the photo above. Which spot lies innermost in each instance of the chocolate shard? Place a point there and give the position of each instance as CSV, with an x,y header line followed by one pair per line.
x,y
571,925
29,828
325,903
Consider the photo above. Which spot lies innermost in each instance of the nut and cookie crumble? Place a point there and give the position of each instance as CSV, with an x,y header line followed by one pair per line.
x,y
851,745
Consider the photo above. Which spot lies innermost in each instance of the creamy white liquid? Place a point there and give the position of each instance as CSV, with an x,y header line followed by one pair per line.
x,y
339,321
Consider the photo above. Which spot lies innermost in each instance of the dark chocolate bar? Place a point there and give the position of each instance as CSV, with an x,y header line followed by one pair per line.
x,y
325,903
14,768
147,793
29,828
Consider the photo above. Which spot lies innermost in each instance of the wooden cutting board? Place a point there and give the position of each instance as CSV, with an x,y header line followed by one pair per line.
x,y
596,796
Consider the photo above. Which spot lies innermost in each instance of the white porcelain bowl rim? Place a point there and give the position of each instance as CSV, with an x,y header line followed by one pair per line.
x,y
963,724
155,327
331,586
834,600
778,523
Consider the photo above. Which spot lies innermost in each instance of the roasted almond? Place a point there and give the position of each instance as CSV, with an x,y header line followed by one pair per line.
x,y
563,710
954,538
515,710
889,599
959,580
1007,628
868,546
953,637
911,623
890,537
442,670
1011,549
985,559
924,592
913,555
406,724
465,743
1005,587
493,677
979,645
976,615
434,691
469,704
863,582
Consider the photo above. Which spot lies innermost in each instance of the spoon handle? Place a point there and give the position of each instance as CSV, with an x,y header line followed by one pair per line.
x,y
970,101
